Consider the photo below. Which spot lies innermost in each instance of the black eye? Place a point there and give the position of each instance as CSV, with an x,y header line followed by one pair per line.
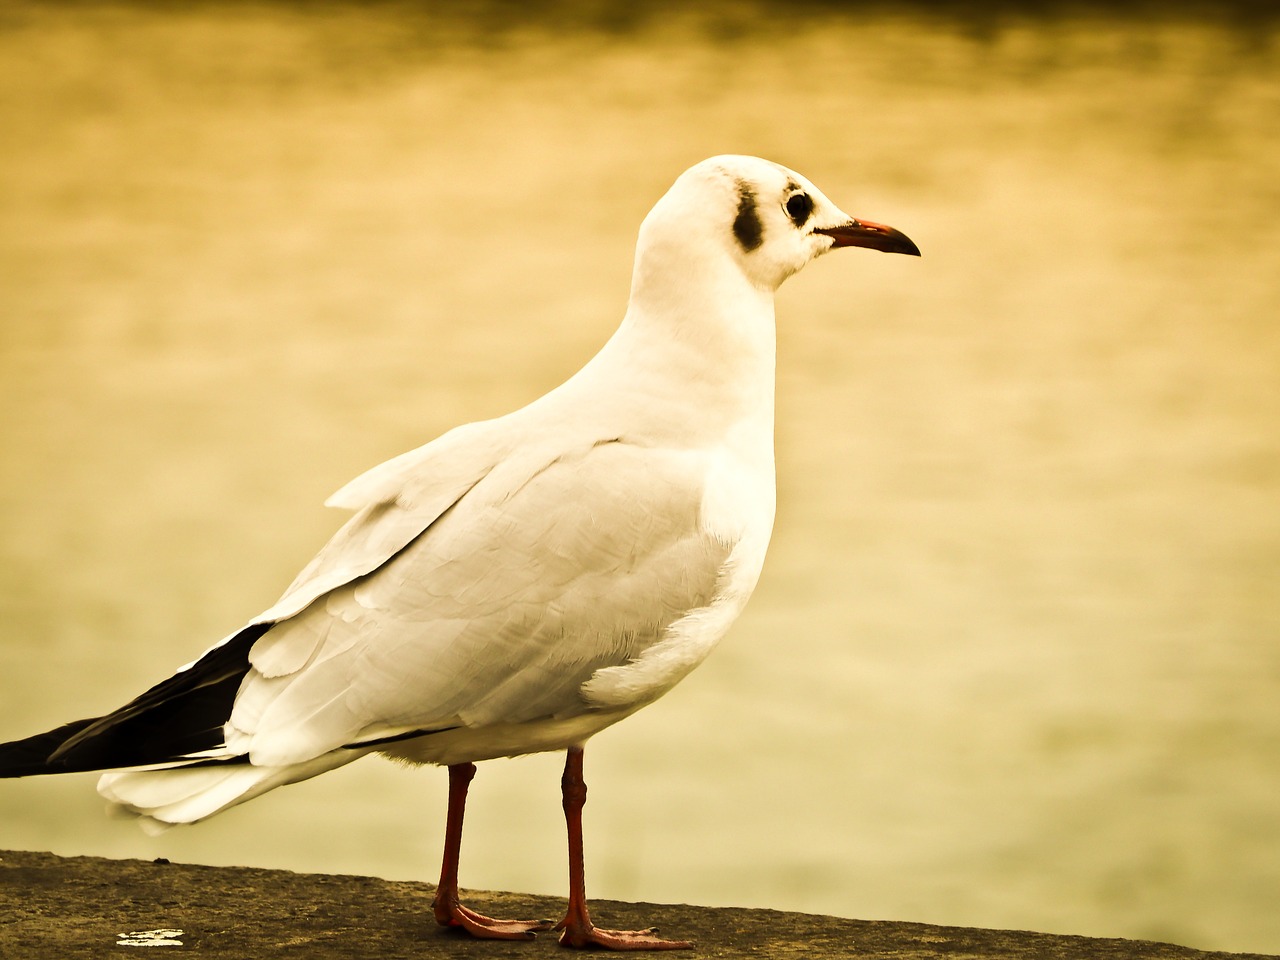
x,y
799,206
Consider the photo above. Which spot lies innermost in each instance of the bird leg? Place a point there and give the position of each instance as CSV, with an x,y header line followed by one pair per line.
x,y
576,928
449,912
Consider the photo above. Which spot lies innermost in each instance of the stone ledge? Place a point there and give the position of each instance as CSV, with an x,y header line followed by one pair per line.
x,y
56,907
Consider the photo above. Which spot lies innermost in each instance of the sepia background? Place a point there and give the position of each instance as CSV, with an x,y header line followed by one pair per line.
x,y
1015,658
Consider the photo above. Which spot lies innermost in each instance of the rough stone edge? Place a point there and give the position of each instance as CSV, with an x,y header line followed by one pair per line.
x,y
57,907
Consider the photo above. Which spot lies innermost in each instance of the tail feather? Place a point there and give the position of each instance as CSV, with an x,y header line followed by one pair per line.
x,y
163,798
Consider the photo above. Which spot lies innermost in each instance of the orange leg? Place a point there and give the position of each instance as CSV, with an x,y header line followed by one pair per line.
x,y
576,928
449,912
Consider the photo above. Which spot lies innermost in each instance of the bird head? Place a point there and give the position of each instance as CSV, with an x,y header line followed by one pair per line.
x,y
768,220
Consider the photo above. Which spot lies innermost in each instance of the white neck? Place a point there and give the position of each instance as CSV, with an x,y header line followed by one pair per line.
x,y
697,347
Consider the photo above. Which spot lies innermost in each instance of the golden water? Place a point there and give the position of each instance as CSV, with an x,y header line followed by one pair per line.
x,y
1015,660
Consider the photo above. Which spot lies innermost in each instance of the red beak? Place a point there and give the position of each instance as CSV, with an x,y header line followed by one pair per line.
x,y
874,236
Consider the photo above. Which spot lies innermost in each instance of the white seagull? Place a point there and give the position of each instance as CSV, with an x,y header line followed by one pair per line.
x,y
518,584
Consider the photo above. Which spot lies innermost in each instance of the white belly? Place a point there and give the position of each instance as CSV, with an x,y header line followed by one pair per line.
x,y
473,744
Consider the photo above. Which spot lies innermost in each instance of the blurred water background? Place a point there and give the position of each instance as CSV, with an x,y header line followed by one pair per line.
x,y
1015,658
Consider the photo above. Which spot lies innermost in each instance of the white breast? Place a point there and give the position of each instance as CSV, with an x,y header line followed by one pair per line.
x,y
737,509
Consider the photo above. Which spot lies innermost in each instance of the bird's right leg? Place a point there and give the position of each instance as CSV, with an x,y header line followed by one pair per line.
x,y
449,912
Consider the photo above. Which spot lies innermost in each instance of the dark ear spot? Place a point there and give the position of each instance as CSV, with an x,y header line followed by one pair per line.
x,y
746,225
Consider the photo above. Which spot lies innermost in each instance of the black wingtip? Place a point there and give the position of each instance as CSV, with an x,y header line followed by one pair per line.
x,y
176,719
30,757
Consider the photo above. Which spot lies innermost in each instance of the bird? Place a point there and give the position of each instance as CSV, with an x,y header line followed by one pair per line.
x,y
517,584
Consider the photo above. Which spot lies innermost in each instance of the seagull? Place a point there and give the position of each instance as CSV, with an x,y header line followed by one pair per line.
x,y
518,584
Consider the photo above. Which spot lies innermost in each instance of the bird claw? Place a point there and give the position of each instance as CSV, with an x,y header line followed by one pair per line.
x,y
489,928
588,935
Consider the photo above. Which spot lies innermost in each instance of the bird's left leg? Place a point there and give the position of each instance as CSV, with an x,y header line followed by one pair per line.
x,y
576,928
449,912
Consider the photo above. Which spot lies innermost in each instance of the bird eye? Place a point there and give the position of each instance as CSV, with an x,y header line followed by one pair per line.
x,y
799,206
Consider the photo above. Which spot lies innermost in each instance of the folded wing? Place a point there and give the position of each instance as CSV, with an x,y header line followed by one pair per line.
x,y
498,613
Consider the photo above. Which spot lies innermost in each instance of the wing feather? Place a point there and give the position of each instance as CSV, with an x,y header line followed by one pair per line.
x,y
395,501
534,579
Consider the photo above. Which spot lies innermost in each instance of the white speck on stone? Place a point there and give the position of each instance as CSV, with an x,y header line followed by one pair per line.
x,y
150,938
